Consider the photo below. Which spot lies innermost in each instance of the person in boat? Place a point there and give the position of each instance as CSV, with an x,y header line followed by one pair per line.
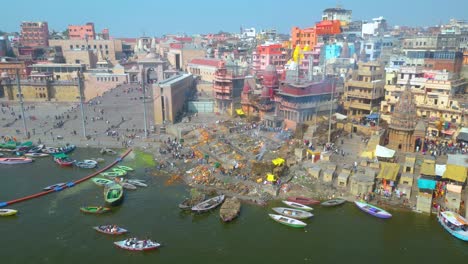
x,y
114,228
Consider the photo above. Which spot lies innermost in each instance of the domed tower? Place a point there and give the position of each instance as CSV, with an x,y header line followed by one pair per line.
x,y
270,81
403,122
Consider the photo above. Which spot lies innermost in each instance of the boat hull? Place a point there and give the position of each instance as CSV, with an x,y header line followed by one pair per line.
x,y
303,200
102,229
288,221
94,210
298,206
208,204
452,232
292,213
111,190
373,210
333,202
121,244
8,212
14,161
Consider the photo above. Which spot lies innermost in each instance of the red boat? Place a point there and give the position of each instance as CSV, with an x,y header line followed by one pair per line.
x,y
303,200
63,160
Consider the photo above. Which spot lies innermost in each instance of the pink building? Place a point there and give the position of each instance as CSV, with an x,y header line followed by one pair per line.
x,y
268,54
81,31
34,34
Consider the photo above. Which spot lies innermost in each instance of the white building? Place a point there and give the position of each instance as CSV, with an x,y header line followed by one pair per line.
x,y
337,13
374,28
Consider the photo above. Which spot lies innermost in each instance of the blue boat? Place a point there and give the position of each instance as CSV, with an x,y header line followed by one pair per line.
x,y
373,210
454,224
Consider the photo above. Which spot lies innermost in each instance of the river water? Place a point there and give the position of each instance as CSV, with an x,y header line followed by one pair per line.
x,y
51,229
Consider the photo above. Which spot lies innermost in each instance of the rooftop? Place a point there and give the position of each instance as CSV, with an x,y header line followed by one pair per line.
x,y
174,79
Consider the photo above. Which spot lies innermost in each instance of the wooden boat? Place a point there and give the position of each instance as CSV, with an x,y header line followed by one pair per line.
x,y
53,186
137,245
333,202
373,210
102,181
107,151
1,154
454,223
208,204
127,185
50,150
293,213
188,203
67,149
123,172
8,212
112,174
12,161
83,165
110,229
8,145
303,200
63,161
287,221
36,155
113,194
90,162
137,183
230,209
36,149
298,206
94,209
126,168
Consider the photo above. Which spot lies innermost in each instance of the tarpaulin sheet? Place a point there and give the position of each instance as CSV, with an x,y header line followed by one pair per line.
x,y
388,171
426,184
455,172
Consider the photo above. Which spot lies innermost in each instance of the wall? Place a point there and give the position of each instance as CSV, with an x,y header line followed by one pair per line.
x,y
96,84
112,49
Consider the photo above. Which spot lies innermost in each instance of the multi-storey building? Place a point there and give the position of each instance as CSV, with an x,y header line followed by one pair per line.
x,y
81,31
337,13
301,37
110,49
34,34
203,68
9,67
365,90
227,86
328,27
268,54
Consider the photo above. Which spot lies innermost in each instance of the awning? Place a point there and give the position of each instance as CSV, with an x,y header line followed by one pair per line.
x,y
384,152
455,172
448,132
440,169
388,171
278,161
340,116
428,169
426,184
463,135
271,177
373,116
454,188
60,156
240,112
367,154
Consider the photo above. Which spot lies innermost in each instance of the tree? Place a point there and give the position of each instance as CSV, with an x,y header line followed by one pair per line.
x,y
65,33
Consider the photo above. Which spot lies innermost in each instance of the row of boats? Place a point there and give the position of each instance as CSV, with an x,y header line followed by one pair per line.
x,y
132,244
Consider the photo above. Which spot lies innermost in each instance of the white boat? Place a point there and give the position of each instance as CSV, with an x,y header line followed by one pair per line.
x,y
127,185
90,162
137,245
36,155
137,183
50,150
208,204
287,221
455,224
293,213
86,164
11,161
8,212
298,206
36,149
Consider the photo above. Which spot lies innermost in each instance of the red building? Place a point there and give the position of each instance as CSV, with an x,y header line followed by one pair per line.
x,y
227,86
82,31
34,34
328,27
268,54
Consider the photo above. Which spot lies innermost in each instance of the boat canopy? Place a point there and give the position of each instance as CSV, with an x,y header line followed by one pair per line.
x,y
454,218
61,156
455,172
428,169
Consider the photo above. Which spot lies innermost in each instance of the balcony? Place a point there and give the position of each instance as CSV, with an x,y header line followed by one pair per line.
x,y
355,105
222,97
368,72
361,84
356,94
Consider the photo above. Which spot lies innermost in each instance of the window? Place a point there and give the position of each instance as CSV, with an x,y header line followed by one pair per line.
x,y
106,46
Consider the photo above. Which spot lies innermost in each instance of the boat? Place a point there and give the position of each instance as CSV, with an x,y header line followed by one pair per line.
x,y
373,210
230,209
123,172
67,149
287,221
8,212
11,161
137,245
1,154
333,202
294,213
83,165
127,185
107,151
454,223
208,204
102,181
303,200
113,194
36,155
110,229
188,203
8,145
126,168
137,183
53,186
63,160
94,209
36,149
298,206
50,150
112,174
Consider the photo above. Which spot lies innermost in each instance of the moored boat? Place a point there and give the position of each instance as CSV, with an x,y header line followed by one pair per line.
x,y
287,221
113,194
8,145
373,210
230,209
83,165
110,229
208,204
53,186
298,206
102,181
8,212
137,183
94,209
123,172
36,155
63,160
12,161
454,223
112,174
303,200
127,185
188,203
137,245
50,150
293,213
333,202
36,149
125,168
